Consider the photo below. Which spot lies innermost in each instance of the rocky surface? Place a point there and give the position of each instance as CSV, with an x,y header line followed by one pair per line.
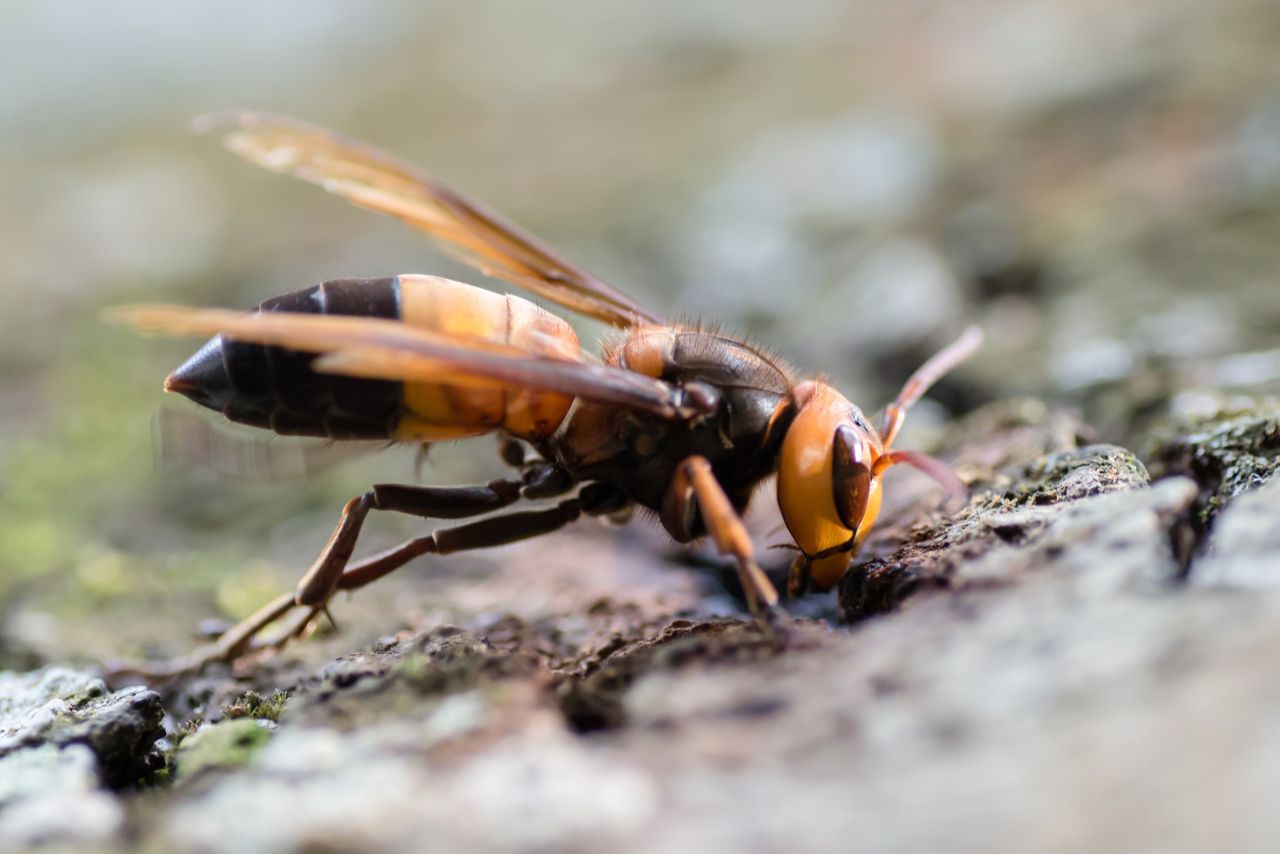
x,y
1244,552
61,707
1227,451
1079,659
64,740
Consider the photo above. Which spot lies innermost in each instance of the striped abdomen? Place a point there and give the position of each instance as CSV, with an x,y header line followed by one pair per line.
x,y
275,388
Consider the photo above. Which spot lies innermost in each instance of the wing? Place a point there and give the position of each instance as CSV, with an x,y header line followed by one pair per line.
x,y
387,349
373,179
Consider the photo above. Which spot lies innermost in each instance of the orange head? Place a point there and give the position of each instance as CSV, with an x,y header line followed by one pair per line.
x,y
831,462
828,490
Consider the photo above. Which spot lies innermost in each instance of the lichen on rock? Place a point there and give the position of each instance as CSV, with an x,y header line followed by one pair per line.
x,y
64,740
1023,462
1227,452
61,707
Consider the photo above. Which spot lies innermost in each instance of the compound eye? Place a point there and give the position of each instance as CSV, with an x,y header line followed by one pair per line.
x,y
850,476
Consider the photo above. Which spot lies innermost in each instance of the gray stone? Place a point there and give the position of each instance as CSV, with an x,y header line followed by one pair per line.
x,y
1027,472
49,796
1010,719
1244,547
57,706
1101,543
27,773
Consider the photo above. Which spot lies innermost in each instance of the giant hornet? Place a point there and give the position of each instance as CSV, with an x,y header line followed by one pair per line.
x,y
679,419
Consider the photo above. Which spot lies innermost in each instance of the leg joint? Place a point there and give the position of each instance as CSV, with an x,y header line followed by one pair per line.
x,y
545,480
599,499
431,502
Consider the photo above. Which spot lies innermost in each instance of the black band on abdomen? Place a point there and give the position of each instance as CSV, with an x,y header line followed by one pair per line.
x,y
276,387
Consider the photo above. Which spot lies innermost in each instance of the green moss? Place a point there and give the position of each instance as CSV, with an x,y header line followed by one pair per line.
x,y
253,705
186,730
1070,475
1226,453
221,746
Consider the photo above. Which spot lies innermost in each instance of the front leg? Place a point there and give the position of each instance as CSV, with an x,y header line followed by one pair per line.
x,y
695,488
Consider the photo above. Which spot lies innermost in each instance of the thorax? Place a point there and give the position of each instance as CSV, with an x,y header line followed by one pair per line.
x,y
639,453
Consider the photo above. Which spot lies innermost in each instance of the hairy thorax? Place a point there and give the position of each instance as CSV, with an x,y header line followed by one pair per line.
x,y
639,453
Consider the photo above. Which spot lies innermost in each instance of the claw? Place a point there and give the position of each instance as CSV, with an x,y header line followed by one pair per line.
x,y
775,616
774,624
324,609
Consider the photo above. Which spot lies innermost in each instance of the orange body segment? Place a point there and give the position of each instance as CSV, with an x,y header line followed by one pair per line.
x,y
438,412
826,572
537,413
646,351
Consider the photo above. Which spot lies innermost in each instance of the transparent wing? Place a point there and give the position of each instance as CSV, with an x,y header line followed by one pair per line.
x,y
372,179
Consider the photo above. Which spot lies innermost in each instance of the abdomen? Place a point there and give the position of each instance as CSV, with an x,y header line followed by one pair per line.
x,y
275,388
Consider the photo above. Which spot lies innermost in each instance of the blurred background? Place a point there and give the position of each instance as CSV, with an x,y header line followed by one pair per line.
x,y
1096,183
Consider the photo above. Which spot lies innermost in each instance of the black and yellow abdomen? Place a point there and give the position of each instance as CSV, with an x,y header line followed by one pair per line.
x,y
275,388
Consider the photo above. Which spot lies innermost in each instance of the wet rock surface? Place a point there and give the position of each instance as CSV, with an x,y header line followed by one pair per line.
x,y
1076,659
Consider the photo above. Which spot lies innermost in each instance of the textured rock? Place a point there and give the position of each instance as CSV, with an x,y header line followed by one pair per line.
x,y
62,736
1032,714
1227,452
1022,462
49,796
375,790
1244,551
1063,681
1017,718
61,707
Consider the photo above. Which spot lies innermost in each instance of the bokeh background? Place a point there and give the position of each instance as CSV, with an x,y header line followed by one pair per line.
x,y
1096,183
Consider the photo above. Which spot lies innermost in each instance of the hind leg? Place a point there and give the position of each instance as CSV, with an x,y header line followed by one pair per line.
x,y
244,638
